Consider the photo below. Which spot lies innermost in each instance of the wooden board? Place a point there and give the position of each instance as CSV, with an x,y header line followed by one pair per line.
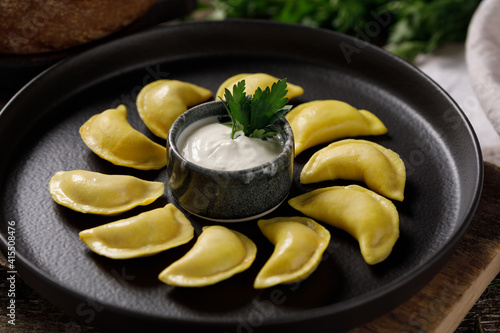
x,y
439,307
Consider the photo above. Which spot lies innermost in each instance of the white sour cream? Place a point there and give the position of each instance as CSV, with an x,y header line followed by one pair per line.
x,y
208,143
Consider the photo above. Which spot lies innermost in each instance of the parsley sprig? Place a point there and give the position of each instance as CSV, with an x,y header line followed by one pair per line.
x,y
256,115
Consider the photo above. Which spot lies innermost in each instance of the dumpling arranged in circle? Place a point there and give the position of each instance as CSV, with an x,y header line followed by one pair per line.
x,y
299,243
254,81
324,121
142,235
218,254
370,218
381,169
161,102
98,193
111,137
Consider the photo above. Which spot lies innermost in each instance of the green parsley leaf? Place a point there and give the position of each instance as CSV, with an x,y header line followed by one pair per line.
x,y
238,106
257,115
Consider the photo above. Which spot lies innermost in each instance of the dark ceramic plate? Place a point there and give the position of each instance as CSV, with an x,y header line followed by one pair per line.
x,y
39,135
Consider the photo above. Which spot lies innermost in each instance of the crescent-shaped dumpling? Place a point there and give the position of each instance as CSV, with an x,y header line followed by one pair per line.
x,y
382,170
112,138
323,121
142,235
218,254
299,245
370,218
161,102
254,81
97,193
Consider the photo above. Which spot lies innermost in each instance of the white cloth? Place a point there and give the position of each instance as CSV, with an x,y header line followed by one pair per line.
x,y
447,66
482,57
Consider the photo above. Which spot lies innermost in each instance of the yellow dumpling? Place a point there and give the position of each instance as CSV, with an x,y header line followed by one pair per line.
x,y
97,193
380,168
218,254
111,137
323,121
254,81
299,245
161,102
370,218
142,235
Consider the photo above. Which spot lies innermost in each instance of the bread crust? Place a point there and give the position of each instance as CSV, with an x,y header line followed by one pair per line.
x,y
40,26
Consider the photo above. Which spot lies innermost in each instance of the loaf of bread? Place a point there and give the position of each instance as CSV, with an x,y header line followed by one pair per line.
x,y
39,26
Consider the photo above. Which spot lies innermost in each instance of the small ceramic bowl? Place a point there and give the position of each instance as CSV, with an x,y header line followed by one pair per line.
x,y
227,196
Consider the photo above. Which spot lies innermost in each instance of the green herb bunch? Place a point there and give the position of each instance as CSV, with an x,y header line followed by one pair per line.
x,y
408,28
256,115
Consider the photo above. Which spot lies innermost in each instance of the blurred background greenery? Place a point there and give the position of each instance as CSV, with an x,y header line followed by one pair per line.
x,y
406,28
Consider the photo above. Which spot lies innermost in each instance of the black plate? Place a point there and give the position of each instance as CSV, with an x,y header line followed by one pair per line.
x,y
39,135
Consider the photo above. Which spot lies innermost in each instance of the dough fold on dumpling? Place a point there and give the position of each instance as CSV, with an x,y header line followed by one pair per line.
x,y
381,169
299,245
218,254
97,193
323,121
370,218
111,137
254,81
142,235
161,102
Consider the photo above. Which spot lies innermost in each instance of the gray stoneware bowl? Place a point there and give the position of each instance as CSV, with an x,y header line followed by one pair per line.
x,y
227,196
